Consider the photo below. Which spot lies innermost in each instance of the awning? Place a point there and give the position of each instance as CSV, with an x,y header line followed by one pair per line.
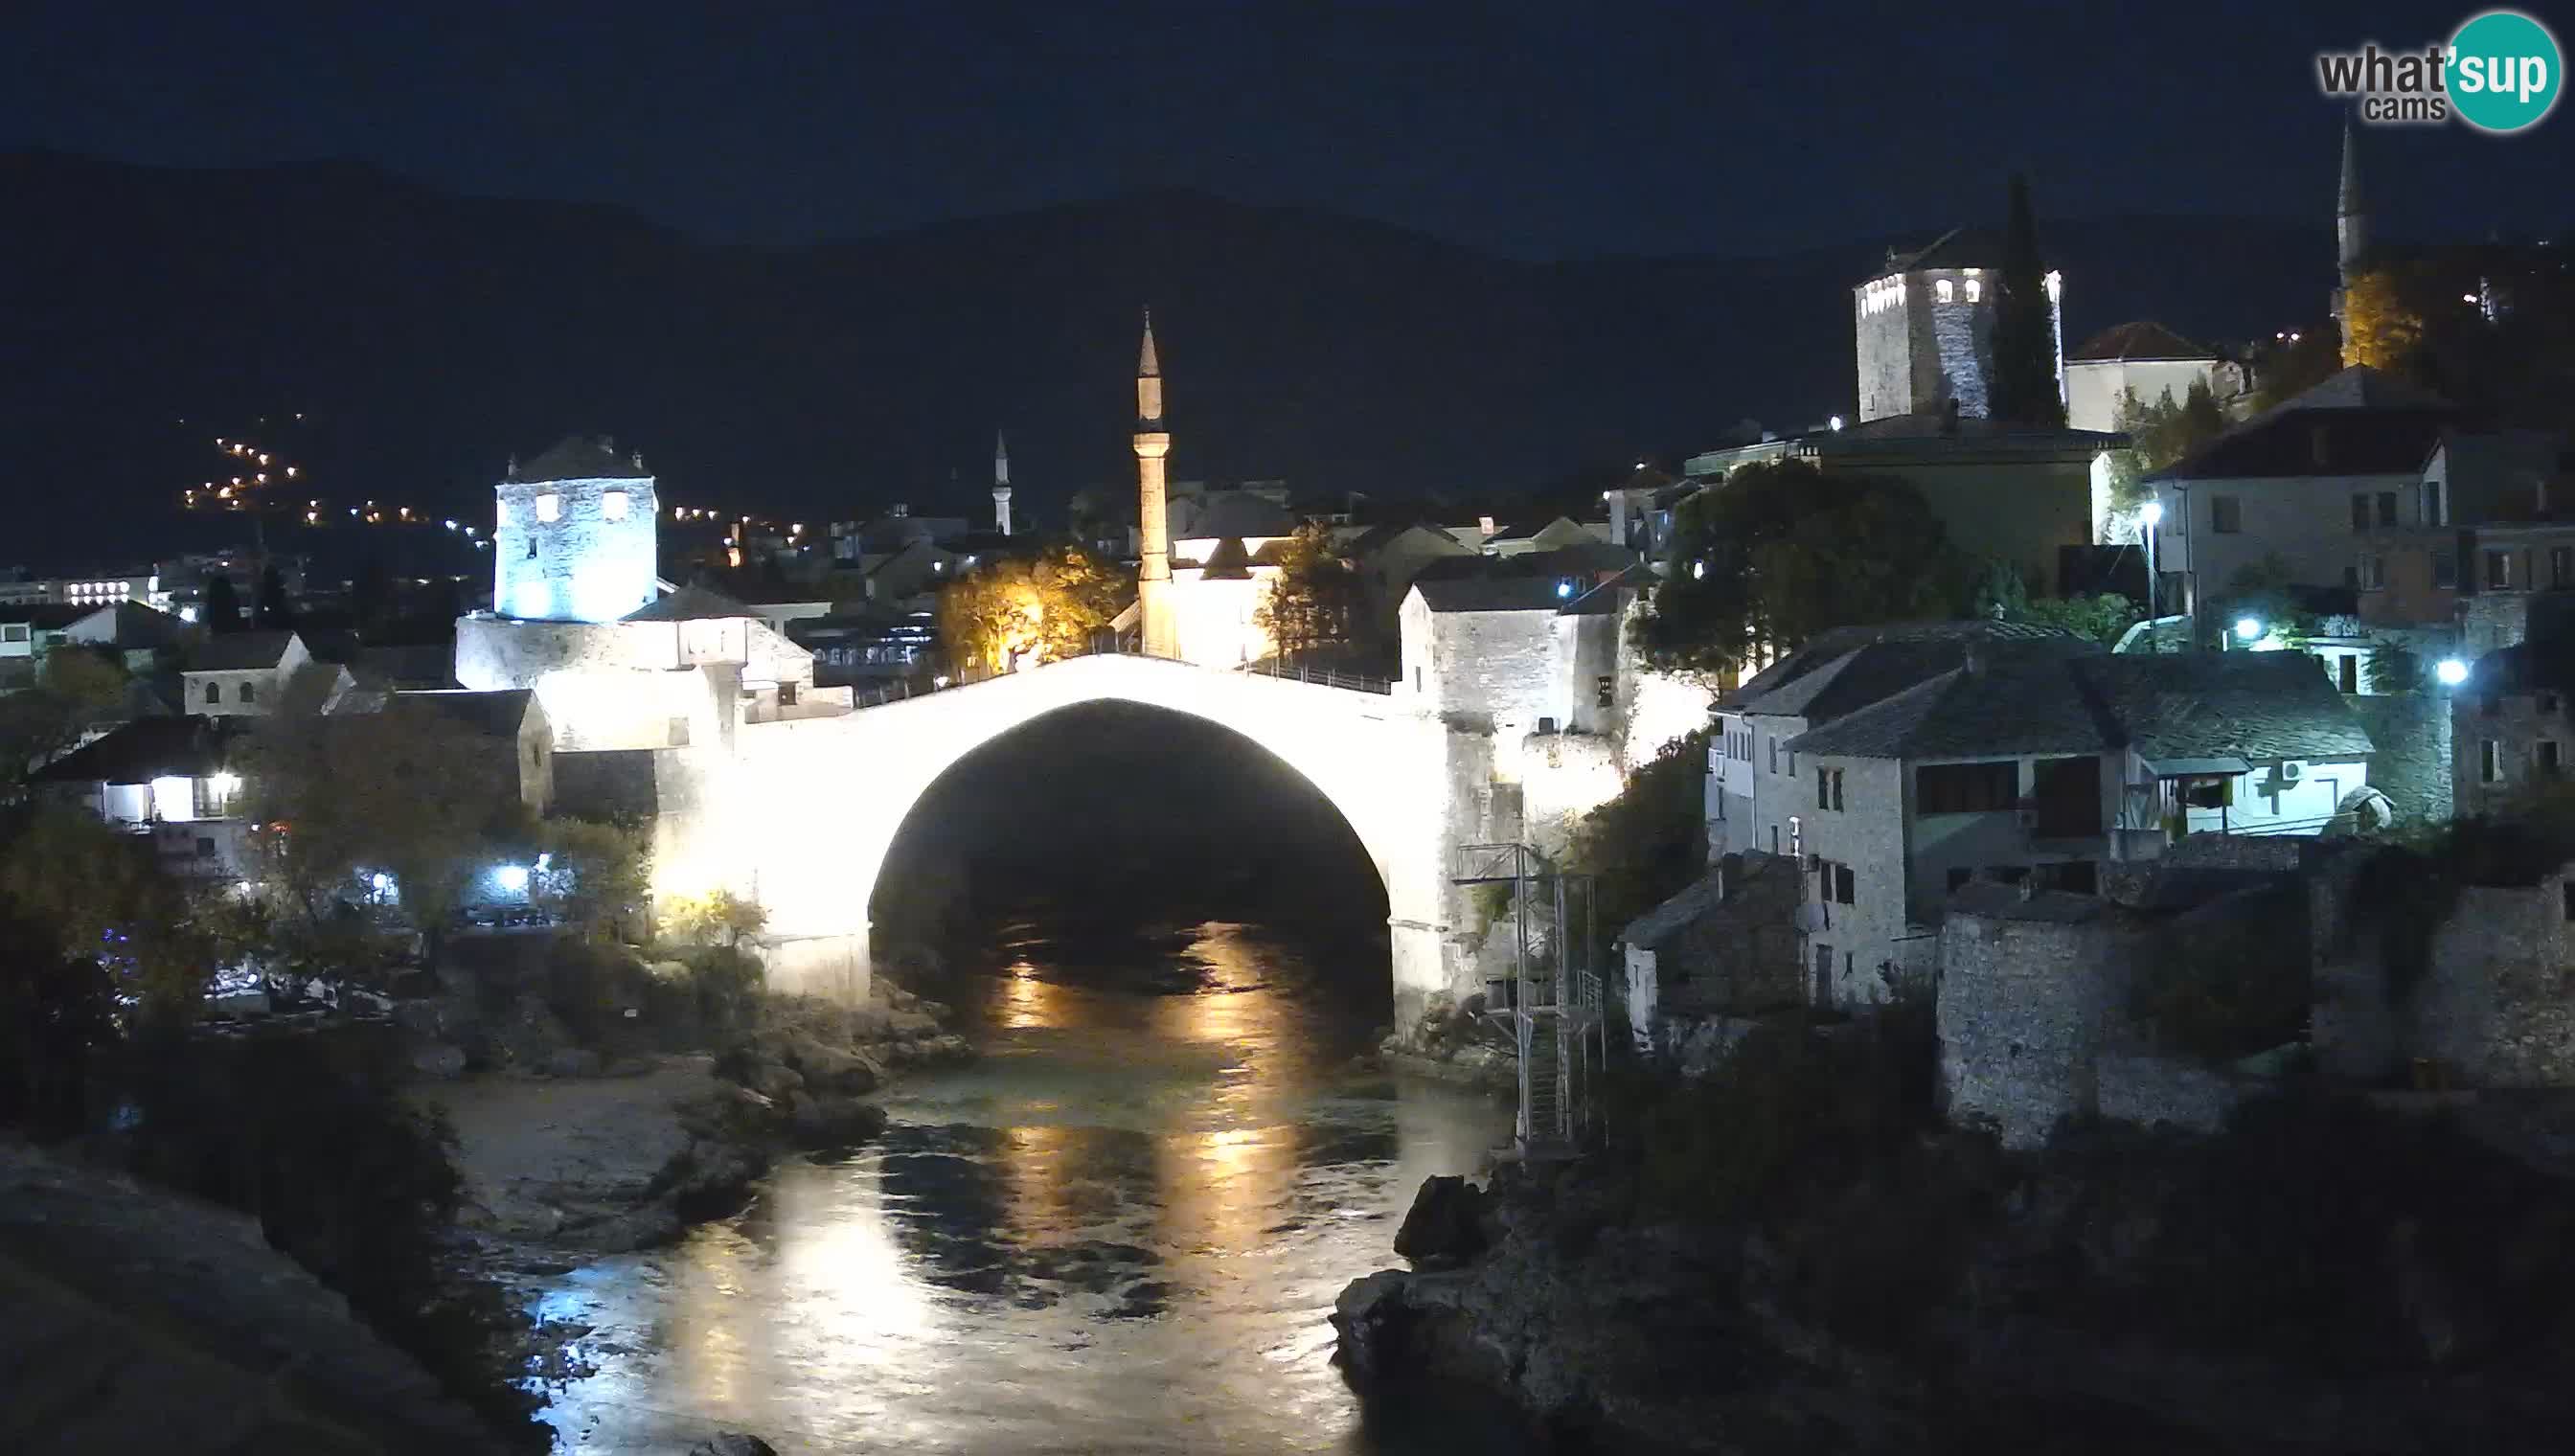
x,y
2196,767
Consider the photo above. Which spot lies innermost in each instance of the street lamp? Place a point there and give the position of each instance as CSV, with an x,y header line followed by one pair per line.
x,y
2451,672
2248,629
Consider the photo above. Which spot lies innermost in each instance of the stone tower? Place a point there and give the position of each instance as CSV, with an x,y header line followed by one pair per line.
x,y
1161,635
2351,220
1001,484
575,536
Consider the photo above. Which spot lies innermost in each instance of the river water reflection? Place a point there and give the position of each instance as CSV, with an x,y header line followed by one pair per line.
x,y
1120,1230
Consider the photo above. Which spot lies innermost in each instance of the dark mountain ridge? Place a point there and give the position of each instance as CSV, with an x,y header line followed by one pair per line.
x,y
428,336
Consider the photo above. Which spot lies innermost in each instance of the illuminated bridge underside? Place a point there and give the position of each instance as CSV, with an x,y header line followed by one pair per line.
x,y
813,806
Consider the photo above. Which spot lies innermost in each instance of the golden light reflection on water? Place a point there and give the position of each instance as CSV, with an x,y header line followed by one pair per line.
x,y
1216,1180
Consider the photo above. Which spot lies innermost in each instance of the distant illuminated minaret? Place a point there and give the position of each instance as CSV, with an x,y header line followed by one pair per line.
x,y
1161,635
1001,484
2351,223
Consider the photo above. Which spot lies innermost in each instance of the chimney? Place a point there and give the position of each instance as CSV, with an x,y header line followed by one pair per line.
x,y
608,445
1949,416
900,510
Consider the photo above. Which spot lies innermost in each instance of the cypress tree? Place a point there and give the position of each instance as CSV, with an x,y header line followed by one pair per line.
x,y
2024,337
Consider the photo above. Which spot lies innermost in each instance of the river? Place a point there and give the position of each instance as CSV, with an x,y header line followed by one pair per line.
x,y
1120,1230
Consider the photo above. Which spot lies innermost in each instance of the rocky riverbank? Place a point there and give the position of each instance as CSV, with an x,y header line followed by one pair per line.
x,y
593,1159
2323,1278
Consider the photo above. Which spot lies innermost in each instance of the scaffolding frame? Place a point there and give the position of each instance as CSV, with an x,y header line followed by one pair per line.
x,y
1551,1003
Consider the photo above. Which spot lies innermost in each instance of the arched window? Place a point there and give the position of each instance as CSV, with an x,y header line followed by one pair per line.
x,y
1943,289
214,693
250,693
1975,289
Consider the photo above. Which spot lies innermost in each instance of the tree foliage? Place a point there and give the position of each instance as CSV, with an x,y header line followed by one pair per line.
x,y
2292,367
103,896
76,691
595,873
2026,390
2379,328
716,917
1313,606
272,609
2160,433
2393,667
221,610
2001,595
406,792
1644,845
1016,609
1782,551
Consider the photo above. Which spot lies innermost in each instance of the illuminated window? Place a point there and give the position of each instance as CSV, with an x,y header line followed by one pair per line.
x,y
549,507
613,504
1975,289
502,516
1944,290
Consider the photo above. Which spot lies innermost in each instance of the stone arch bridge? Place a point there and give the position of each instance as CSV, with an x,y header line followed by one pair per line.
x,y
802,813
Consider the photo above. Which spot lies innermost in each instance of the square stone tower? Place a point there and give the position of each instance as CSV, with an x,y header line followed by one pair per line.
x,y
577,536
1925,332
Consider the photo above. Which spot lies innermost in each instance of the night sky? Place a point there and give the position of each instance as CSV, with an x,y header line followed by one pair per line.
x,y
1534,130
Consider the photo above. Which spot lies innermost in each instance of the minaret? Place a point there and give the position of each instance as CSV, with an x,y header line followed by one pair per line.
x,y
1161,637
1001,484
2351,220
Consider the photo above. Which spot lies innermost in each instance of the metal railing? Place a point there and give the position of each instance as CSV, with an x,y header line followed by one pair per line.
x,y
1320,676
902,690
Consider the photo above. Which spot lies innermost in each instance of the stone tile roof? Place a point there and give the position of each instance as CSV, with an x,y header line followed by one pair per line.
x,y
2260,707
1491,594
1927,648
149,748
583,458
497,712
691,604
239,652
2360,421
45,615
2140,339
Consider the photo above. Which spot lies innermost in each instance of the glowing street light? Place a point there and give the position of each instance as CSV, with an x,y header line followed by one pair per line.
x,y
2248,629
510,877
2450,671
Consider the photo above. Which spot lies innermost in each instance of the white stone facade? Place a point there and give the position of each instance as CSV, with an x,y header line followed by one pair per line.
x,y
574,550
1925,337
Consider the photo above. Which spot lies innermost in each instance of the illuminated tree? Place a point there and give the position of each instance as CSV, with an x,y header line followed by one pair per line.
x,y
1016,611
1314,605
2379,328
716,917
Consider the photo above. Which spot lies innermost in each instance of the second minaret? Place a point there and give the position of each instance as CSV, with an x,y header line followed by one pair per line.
x,y
1162,638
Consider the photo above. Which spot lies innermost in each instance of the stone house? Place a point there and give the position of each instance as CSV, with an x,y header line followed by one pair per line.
x,y
2142,356
2047,769
1522,538
1702,963
173,780
575,534
1388,558
240,672
2492,517
510,720
2510,732
1754,796
2311,482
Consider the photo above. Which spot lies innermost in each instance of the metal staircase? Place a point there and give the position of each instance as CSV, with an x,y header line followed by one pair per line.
x,y
1551,1000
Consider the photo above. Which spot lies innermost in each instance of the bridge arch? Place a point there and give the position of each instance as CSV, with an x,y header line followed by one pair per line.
x,y
802,814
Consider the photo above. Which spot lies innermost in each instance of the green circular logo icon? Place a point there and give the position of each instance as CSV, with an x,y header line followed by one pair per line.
x,y
2504,71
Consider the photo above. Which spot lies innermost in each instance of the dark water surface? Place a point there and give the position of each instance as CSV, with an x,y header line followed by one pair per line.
x,y
1120,1230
